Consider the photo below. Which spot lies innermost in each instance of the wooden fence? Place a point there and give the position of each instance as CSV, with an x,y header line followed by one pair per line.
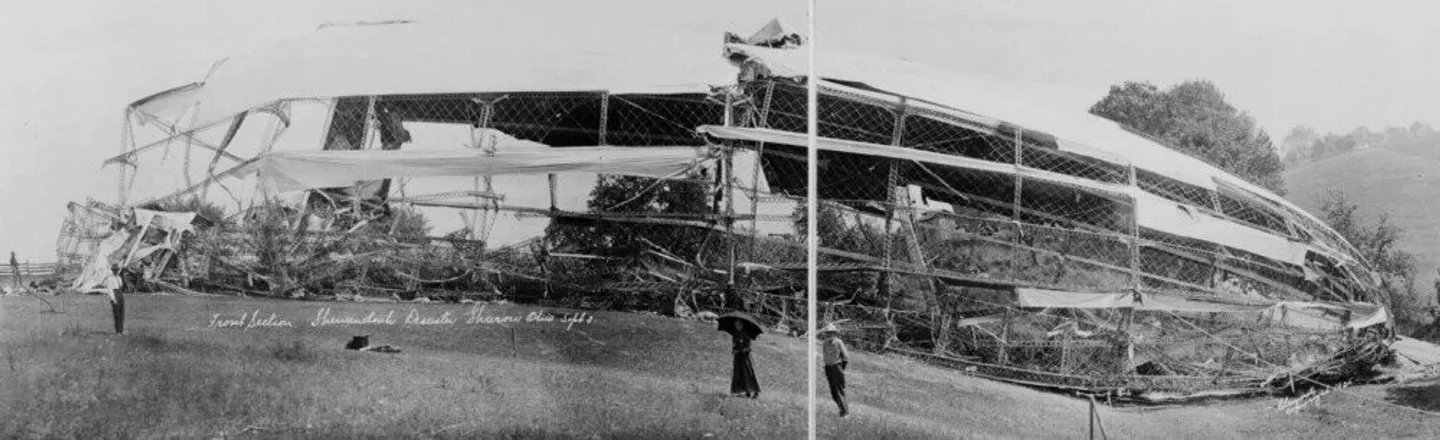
x,y
28,272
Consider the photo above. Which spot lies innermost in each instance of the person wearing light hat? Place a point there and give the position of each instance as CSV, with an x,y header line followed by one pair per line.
x,y
836,359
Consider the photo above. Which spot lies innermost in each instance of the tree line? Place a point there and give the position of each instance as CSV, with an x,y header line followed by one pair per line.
x,y
1304,143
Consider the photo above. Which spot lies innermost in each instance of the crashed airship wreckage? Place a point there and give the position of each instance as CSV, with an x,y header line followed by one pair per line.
x,y
403,160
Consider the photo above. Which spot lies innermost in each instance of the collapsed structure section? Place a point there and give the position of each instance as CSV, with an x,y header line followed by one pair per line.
x,y
948,228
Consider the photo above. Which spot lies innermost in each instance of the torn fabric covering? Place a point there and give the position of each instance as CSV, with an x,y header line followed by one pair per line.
x,y
1076,130
748,172
1308,315
97,275
421,58
773,34
1197,305
1154,212
869,149
979,320
283,172
1042,298
180,222
1316,316
961,92
121,247
1170,217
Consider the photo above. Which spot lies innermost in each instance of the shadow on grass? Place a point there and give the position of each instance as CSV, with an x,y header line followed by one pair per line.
x,y
515,432
1425,397
295,351
161,343
540,433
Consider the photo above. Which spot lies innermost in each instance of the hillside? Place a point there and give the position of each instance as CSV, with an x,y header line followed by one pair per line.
x,y
620,376
1381,180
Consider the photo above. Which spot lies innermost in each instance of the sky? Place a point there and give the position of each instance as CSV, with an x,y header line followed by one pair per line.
x,y
72,66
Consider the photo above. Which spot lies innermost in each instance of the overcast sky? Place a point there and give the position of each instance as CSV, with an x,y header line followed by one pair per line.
x,y
71,66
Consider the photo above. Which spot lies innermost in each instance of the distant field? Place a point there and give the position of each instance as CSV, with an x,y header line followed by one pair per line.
x,y
623,376
1381,180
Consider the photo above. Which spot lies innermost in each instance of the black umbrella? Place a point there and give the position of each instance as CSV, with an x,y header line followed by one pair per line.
x,y
752,327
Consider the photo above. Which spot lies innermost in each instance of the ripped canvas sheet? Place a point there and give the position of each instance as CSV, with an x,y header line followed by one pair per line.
x,y
1154,212
988,101
1170,217
174,225
128,245
1299,314
283,172
1042,298
420,58
903,153
97,275
1315,316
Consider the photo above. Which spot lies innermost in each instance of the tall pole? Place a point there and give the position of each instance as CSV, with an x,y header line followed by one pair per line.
x,y
545,263
811,212
729,199
487,108
763,122
1136,282
1015,214
812,199
126,140
892,184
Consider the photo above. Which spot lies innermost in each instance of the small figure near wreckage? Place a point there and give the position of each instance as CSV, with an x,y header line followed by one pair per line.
x,y
15,270
743,329
837,358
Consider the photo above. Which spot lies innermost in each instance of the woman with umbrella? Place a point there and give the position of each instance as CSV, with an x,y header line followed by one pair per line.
x,y
743,329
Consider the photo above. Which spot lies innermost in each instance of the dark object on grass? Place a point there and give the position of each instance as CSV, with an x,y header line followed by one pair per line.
x,y
362,343
358,343
382,349
751,327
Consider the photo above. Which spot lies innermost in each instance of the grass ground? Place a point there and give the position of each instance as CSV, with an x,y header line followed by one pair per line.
x,y
1380,180
620,376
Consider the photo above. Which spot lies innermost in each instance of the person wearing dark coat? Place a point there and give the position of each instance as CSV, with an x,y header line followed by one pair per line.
x,y
743,381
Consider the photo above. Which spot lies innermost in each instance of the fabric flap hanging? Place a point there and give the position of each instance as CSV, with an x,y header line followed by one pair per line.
x,y
282,172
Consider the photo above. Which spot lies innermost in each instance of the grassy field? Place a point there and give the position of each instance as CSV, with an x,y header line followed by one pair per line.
x,y
618,376
1381,180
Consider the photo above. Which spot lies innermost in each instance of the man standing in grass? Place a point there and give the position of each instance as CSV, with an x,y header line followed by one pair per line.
x,y
15,270
836,359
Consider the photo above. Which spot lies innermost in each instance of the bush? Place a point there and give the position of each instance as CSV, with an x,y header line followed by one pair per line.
x,y
1378,243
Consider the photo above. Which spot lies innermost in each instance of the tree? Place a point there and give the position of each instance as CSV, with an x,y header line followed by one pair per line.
x,y
1421,129
1364,137
1193,117
1297,143
1378,244
1396,137
638,195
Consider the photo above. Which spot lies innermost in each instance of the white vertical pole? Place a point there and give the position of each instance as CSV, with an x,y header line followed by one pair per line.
x,y
126,141
812,201
729,188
